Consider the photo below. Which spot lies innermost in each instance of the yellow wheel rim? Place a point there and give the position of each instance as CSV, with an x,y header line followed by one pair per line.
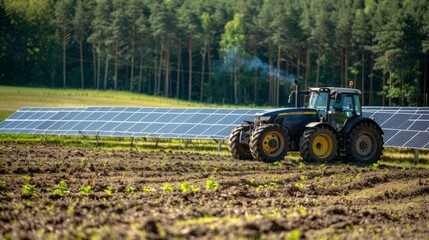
x,y
322,146
272,143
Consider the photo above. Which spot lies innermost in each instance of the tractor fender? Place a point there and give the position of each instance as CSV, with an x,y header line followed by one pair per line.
x,y
314,124
356,120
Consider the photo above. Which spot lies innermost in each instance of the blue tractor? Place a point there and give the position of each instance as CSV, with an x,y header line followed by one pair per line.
x,y
330,127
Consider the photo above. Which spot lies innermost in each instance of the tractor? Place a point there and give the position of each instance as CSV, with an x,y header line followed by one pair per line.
x,y
331,127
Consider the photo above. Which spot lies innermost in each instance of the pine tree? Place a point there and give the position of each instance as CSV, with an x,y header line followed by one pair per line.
x,y
189,21
63,14
80,23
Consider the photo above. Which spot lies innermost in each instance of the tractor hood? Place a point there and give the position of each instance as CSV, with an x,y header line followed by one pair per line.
x,y
270,115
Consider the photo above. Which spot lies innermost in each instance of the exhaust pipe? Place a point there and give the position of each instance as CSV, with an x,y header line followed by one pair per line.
x,y
296,92
297,105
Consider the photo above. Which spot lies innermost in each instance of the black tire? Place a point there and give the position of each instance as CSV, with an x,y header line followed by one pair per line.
x,y
239,150
364,144
318,145
269,143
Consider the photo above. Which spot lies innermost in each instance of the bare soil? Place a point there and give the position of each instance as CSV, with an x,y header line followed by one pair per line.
x,y
163,195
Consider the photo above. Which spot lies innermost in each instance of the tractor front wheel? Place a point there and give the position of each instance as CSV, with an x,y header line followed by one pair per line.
x,y
364,144
269,143
318,145
238,149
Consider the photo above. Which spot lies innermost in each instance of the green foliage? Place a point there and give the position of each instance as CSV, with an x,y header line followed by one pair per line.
x,y
26,178
186,187
167,187
29,190
108,190
130,189
61,188
2,185
211,185
50,208
269,185
375,165
299,185
40,36
294,235
85,190
148,189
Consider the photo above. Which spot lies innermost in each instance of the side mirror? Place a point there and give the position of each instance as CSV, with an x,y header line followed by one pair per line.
x,y
337,97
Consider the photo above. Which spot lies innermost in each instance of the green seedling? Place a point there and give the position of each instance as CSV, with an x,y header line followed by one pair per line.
x,y
269,185
294,235
162,165
186,187
167,187
375,165
26,178
299,185
29,190
148,189
50,208
211,185
61,188
85,190
303,177
108,190
2,185
70,209
357,177
130,189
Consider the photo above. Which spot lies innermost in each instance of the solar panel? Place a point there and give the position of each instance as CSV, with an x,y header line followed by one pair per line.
x,y
403,127
193,123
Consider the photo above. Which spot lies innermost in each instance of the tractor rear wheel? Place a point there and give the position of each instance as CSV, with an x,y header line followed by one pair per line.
x,y
238,149
318,145
269,143
364,144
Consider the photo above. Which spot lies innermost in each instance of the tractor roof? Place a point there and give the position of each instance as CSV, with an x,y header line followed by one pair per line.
x,y
335,90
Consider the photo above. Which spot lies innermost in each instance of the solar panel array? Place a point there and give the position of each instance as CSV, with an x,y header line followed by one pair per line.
x,y
186,123
403,127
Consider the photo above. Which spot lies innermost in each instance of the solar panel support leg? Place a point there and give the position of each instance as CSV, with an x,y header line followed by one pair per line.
x,y
187,142
97,140
416,156
219,145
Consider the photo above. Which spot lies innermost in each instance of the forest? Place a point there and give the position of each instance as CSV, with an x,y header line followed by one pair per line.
x,y
219,51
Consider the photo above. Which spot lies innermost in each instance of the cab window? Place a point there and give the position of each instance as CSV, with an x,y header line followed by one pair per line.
x,y
319,101
357,105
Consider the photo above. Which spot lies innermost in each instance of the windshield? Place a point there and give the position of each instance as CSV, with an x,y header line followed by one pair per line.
x,y
318,100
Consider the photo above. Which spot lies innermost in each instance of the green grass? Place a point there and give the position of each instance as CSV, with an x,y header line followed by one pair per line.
x,y
14,98
141,144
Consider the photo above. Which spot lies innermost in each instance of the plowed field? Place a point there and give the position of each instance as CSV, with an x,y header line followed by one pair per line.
x,y
51,191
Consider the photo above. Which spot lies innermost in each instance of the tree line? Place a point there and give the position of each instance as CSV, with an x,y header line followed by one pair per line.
x,y
220,51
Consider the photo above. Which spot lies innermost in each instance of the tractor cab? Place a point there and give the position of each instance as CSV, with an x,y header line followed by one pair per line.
x,y
335,105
